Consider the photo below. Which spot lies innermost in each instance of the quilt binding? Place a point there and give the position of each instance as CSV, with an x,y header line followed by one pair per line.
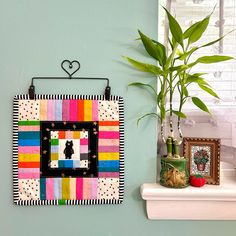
x,y
15,151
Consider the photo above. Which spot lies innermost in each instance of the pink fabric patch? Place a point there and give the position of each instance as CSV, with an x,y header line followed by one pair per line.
x,y
79,188
51,110
83,149
50,188
29,128
29,175
108,148
65,110
109,134
108,174
108,142
69,134
83,141
28,170
28,149
73,110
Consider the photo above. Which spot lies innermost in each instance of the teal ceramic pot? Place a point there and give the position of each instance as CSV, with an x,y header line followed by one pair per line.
x,y
174,173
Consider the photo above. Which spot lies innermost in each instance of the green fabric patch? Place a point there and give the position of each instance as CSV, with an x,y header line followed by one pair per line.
x,y
61,202
54,142
32,122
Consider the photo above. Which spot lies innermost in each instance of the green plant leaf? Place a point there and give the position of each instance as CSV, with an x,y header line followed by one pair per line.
x,y
148,114
186,54
199,74
185,91
200,104
208,90
213,59
190,30
138,84
215,41
196,79
198,30
153,49
144,66
175,28
179,114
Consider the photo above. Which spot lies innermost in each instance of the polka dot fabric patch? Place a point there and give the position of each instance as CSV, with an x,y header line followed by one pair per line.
x,y
68,150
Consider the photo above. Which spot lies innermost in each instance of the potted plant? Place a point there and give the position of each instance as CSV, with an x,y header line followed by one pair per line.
x,y
200,158
172,70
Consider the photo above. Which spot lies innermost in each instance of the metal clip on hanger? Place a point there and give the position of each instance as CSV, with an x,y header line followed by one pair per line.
x,y
71,64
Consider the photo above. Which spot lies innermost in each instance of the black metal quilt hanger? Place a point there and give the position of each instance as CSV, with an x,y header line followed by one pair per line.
x,y
71,69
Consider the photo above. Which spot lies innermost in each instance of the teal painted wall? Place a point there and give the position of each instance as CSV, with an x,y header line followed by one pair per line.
x,y
35,36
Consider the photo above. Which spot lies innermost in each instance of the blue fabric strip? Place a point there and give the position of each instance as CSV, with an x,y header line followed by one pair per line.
x,y
28,142
108,163
29,135
42,189
58,110
57,188
108,169
65,163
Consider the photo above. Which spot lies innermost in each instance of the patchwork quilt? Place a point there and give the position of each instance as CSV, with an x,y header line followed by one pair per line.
x,y
68,150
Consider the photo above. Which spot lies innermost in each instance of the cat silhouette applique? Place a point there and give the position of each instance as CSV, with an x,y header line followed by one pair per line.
x,y
68,151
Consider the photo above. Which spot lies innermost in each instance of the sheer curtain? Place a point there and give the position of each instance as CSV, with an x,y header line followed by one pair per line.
x,y
221,76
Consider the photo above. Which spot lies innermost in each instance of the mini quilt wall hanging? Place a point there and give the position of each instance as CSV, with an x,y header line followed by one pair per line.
x,y
68,150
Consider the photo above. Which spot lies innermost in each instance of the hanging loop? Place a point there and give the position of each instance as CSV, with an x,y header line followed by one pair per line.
x,y
70,67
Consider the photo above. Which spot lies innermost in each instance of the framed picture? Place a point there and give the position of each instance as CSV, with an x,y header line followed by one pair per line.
x,y
203,157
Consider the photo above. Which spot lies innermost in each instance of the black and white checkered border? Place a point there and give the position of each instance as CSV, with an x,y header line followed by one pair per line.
x,y
15,151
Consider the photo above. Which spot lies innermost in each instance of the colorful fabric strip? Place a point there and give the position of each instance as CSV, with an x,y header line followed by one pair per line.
x,y
108,135
50,188
108,142
35,122
58,110
29,149
79,188
29,175
43,109
108,163
51,110
29,128
108,169
109,156
108,174
57,188
42,188
73,110
65,188
29,165
65,110
109,123
28,157
108,148
29,135
28,142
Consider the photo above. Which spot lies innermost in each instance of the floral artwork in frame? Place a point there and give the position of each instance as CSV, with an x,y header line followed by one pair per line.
x,y
203,158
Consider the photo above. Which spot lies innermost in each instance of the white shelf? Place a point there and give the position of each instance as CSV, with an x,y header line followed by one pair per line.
x,y
210,202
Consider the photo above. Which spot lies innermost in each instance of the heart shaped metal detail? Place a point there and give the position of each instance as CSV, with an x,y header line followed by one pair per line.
x,y
70,67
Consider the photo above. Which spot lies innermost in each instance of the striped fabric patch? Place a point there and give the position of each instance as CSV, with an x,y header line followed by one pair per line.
x,y
68,150
29,149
